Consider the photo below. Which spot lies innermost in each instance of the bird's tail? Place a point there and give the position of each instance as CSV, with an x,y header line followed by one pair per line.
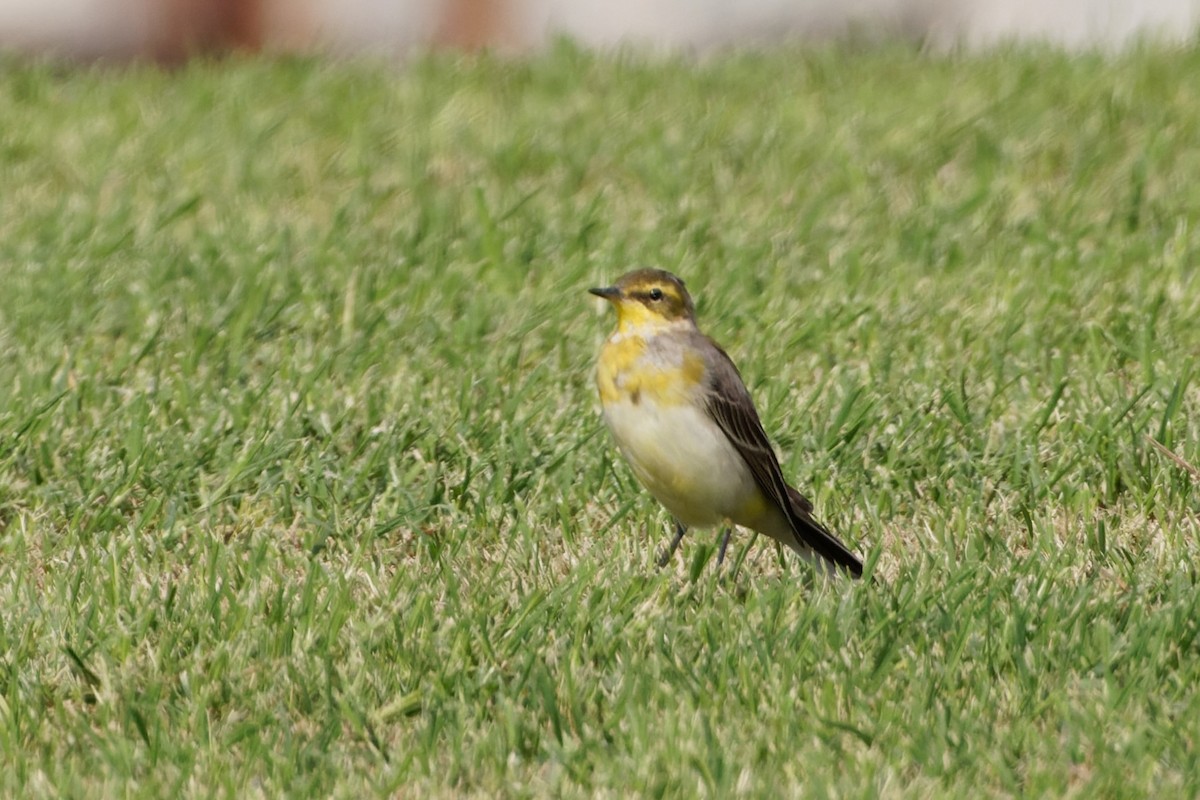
x,y
816,538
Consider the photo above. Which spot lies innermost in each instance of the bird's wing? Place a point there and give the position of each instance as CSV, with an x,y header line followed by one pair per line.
x,y
729,404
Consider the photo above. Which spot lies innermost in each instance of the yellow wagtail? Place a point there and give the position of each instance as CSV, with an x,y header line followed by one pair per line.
x,y
684,421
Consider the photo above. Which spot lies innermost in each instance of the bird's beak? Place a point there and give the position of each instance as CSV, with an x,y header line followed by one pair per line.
x,y
607,292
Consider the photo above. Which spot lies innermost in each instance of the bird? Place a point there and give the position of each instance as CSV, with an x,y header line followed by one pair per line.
x,y
684,421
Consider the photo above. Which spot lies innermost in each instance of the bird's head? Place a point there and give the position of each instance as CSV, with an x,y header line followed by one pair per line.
x,y
649,299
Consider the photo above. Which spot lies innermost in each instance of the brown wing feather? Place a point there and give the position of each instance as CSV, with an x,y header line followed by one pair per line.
x,y
729,403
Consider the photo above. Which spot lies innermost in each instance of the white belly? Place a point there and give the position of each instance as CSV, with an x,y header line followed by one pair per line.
x,y
684,460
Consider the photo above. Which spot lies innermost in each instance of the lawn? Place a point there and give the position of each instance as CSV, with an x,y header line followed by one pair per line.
x,y
304,490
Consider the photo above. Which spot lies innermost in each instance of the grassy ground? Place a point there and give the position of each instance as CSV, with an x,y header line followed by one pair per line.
x,y
303,488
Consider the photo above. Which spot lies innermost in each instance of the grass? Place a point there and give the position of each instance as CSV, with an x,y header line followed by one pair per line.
x,y
303,489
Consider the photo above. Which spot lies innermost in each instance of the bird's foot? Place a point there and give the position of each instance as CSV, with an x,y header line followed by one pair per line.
x,y
724,545
680,530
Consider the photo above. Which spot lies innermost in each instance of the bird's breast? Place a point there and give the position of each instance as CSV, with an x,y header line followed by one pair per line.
x,y
653,399
638,370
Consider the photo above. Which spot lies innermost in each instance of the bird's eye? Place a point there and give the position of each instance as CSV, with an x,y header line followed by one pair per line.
x,y
656,294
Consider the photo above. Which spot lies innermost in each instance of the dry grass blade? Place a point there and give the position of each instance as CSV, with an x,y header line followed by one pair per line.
x,y
1166,451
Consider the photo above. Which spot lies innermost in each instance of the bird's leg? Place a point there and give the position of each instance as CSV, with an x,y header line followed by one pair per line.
x,y
724,545
680,530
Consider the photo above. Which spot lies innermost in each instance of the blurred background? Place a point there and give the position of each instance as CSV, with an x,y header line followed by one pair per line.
x,y
171,30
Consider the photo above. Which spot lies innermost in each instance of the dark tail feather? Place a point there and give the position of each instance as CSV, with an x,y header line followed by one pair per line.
x,y
817,538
